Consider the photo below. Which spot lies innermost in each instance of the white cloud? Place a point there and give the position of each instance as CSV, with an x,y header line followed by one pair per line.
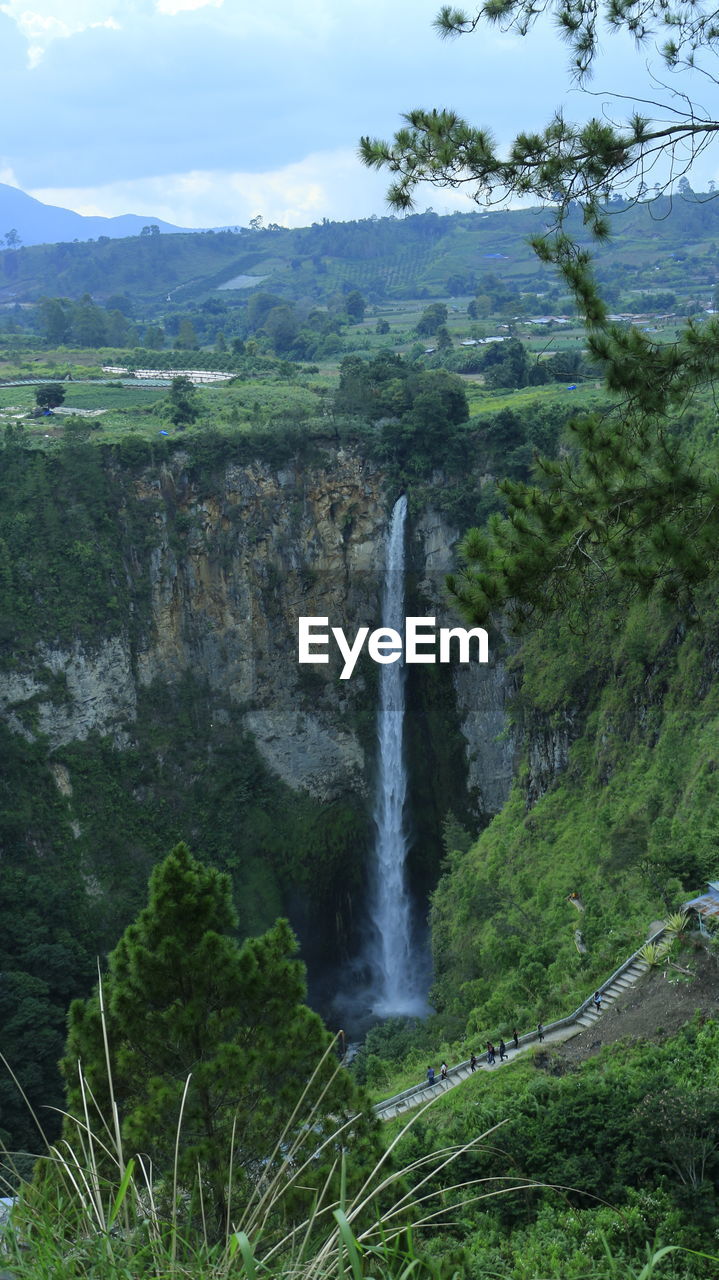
x,y
7,176
330,184
172,7
253,108
55,20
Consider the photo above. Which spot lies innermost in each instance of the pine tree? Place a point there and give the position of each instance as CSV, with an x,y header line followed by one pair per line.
x,y
184,1000
628,506
565,163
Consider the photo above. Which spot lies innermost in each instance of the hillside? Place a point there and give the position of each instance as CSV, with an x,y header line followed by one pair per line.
x,y
152,572
615,800
656,245
657,1008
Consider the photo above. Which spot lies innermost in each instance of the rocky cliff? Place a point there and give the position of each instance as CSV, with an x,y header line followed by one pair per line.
x,y
154,674
228,572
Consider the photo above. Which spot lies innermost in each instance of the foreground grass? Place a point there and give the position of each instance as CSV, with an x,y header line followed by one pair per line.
x,y
95,1212
76,1219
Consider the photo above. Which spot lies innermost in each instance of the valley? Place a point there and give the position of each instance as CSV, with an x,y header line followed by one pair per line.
x,y
461,848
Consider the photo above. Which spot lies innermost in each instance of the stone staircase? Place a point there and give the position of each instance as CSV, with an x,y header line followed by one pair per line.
x,y
557,1032
610,993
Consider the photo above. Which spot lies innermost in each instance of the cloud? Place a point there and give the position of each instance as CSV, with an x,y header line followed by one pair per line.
x,y
55,20
171,7
8,176
219,88
330,184
205,113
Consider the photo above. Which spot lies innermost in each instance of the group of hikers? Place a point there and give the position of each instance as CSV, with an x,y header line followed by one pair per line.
x,y
492,1052
474,1060
502,1050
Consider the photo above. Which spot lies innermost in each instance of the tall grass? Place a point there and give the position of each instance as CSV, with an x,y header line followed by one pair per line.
x,y
95,1211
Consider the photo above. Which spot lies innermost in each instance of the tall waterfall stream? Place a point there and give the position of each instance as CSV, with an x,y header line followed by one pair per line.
x,y
399,975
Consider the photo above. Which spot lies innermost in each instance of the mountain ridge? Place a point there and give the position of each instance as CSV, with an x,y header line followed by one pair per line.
x,y
38,223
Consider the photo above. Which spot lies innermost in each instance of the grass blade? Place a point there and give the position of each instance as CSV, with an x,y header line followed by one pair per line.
x,y
349,1242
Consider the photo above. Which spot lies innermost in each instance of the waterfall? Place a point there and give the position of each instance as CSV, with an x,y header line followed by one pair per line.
x,y
398,984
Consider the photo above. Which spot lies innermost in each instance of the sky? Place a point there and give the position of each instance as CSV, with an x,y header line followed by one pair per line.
x,y
209,112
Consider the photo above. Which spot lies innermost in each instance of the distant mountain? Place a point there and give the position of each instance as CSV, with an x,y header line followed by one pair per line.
x,y
37,223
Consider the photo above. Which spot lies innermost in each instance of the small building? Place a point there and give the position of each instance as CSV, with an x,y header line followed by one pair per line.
x,y
706,908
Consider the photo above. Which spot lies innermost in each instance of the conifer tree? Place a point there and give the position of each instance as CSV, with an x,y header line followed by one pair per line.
x,y
566,162
628,504
184,1000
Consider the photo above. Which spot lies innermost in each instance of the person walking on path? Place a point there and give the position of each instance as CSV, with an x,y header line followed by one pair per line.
x,y
515,1038
598,1001
503,1055
430,1076
443,1071
490,1053
473,1062
540,1032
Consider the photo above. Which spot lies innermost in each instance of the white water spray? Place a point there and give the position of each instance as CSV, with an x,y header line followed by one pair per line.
x,y
398,982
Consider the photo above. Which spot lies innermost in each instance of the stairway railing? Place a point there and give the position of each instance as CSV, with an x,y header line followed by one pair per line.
x,y
418,1090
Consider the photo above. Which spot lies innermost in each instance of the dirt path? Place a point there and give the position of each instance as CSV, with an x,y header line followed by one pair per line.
x,y
654,1009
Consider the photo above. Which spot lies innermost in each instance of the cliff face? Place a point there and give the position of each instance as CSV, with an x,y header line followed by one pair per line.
x,y
228,568
481,693
268,546
154,688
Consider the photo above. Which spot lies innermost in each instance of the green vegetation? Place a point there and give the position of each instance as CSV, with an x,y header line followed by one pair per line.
x,y
630,503
624,1149
211,1039
50,395
63,572
82,822
184,408
79,861
417,411
596,524
629,714
47,937
97,1211
139,411
483,256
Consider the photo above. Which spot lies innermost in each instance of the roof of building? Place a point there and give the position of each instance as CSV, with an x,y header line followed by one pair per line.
x,y
707,904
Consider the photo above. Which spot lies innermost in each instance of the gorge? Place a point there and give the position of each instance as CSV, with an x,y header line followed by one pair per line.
x,y
154,693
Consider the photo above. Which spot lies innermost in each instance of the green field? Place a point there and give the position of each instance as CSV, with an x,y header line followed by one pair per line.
x,y
112,412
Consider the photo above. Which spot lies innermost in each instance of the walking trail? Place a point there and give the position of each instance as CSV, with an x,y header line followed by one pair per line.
x,y
554,1033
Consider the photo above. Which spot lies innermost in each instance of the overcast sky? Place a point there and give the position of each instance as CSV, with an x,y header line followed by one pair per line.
x,y
208,112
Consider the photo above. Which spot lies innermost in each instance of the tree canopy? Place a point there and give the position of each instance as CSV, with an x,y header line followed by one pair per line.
x,y
184,407
50,395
